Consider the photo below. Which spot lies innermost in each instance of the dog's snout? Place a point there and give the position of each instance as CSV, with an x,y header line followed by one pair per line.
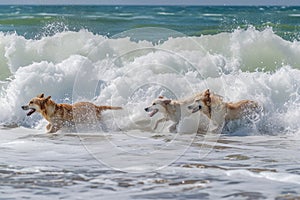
x,y
25,107
146,109
190,107
200,107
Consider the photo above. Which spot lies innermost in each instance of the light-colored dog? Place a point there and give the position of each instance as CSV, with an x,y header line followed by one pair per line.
x,y
65,115
211,105
171,110
216,109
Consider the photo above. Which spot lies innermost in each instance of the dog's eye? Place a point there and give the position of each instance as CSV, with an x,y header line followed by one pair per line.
x,y
31,102
153,104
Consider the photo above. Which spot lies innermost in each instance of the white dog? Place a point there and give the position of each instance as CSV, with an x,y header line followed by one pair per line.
x,y
171,110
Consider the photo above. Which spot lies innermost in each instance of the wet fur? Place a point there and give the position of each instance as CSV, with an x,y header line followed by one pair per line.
x,y
65,115
171,110
209,104
213,106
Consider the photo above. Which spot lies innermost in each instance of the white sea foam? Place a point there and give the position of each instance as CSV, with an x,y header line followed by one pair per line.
x,y
280,177
71,66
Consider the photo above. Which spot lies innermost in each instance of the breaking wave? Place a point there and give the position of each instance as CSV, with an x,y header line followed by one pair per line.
x,y
131,72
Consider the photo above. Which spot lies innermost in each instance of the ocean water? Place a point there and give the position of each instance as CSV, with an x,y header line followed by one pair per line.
x,y
127,56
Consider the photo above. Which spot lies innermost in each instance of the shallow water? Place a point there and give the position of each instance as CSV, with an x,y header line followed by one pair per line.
x,y
38,165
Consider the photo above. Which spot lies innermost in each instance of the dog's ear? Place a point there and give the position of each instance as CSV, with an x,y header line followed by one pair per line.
x,y
167,101
208,102
207,92
207,97
48,98
40,95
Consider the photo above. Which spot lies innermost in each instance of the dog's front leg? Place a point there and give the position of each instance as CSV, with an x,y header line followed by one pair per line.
x,y
159,121
53,128
48,127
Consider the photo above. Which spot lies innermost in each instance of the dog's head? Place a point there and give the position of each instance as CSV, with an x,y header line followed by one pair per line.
x,y
158,105
36,104
202,102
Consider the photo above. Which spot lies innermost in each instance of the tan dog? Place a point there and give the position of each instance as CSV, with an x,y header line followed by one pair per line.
x,y
216,109
65,115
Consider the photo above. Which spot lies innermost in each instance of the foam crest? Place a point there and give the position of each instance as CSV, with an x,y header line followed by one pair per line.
x,y
20,52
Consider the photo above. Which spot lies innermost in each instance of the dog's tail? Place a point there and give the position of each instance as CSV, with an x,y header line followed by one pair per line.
x,y
109,108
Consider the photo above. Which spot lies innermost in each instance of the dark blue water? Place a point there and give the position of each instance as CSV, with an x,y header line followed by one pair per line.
x,y
39,21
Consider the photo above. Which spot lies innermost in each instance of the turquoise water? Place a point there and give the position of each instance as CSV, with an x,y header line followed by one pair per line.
x,y
38,21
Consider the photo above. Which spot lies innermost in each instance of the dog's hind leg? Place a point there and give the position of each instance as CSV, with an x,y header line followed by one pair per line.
x,y
103,126
173,128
